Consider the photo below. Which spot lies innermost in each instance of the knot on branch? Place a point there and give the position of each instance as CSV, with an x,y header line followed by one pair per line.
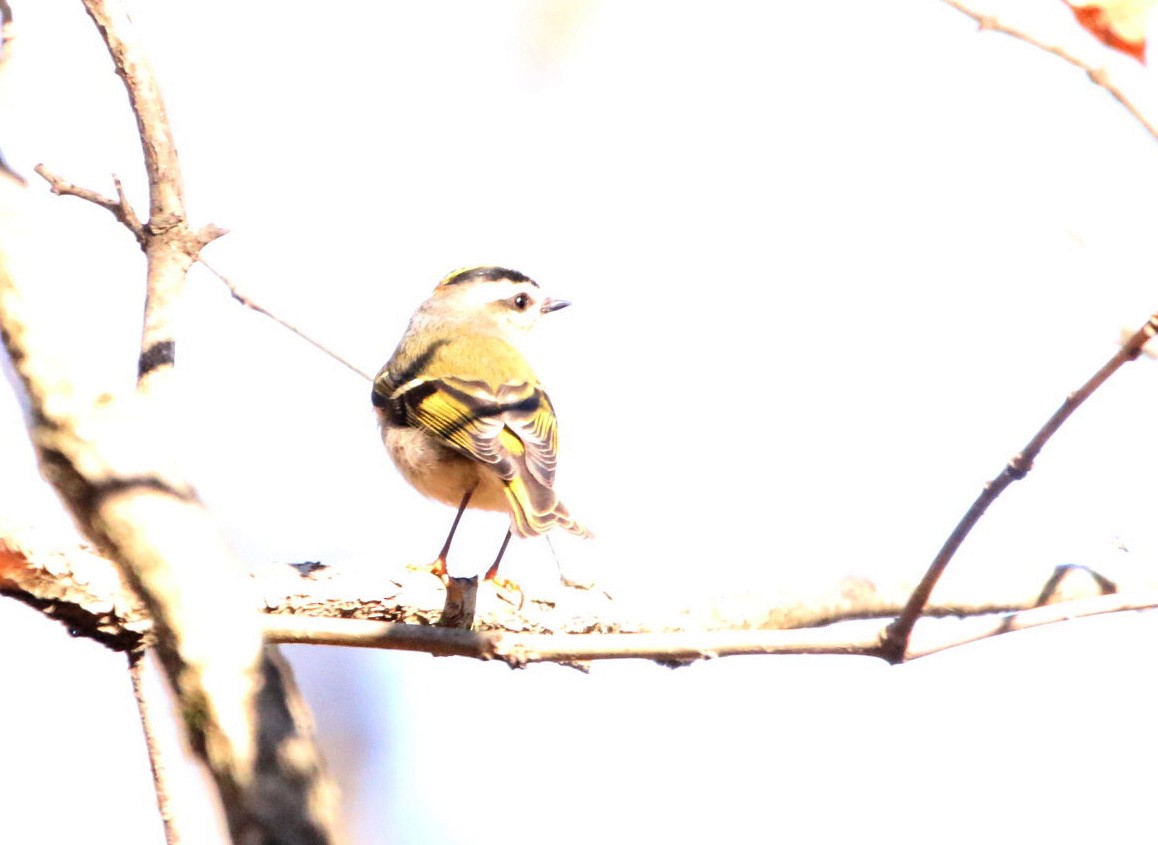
x,y
894,642
162,224
1019,466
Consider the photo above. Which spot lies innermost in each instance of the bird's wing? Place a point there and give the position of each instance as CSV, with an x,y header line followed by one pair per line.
x,y
511,428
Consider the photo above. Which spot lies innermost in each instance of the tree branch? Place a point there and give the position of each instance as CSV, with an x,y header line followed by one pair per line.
x,y
105,461
120,208
1099,75
77,587
170,245
859,637
314,603
895,643
148,708
108,462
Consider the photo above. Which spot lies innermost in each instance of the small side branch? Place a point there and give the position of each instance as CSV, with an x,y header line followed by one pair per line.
x,y
120,208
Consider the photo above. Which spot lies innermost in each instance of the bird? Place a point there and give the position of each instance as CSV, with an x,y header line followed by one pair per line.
x,y
462,414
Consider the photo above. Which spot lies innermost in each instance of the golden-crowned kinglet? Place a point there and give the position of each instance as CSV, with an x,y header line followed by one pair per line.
x,y
462,414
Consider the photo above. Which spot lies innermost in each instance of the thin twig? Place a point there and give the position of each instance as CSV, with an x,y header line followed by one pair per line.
x,y
895,643
929,640
245,300
148,714
1050,589
123,211
1100,76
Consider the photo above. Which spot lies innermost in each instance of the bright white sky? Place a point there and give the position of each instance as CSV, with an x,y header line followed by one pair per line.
x,y
830,263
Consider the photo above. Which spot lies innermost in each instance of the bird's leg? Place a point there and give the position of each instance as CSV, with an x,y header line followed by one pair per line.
x,y
493,572
438,567
504,585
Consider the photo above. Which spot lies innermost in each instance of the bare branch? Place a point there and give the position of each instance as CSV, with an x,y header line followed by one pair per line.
x,y
973,630
107,460
896,638
314,603
520,649
77,587
170,245
848,638
1100,76
166,199
148,709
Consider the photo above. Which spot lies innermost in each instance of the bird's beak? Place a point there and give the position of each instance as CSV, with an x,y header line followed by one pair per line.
x,y
550,305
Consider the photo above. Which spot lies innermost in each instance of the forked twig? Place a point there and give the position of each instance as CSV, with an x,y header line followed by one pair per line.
x,y
120,208
895,642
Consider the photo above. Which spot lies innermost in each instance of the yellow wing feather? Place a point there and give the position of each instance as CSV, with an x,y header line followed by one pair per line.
x,y
512,429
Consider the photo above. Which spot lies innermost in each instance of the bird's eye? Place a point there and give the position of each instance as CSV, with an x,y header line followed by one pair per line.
x,y
521,301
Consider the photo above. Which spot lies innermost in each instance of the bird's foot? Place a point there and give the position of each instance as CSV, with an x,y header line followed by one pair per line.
x,y
437,568
508,590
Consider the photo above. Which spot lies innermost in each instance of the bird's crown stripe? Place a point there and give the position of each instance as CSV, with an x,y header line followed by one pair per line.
x,y
488,274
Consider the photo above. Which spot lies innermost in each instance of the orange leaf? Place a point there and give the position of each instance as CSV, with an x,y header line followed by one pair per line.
x,y
1120,24
12,562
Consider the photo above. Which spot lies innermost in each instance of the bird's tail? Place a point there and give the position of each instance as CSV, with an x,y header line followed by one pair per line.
x,y
535,509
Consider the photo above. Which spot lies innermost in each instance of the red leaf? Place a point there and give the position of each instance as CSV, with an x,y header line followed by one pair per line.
x,y
1120,24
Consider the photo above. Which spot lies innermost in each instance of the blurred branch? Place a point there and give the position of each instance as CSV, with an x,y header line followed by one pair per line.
x,y
149,710
6,35
77,587
895,643
105,461
109,463
1071,53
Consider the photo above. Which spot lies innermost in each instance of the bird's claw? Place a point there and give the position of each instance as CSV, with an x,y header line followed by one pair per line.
x,y
508,591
